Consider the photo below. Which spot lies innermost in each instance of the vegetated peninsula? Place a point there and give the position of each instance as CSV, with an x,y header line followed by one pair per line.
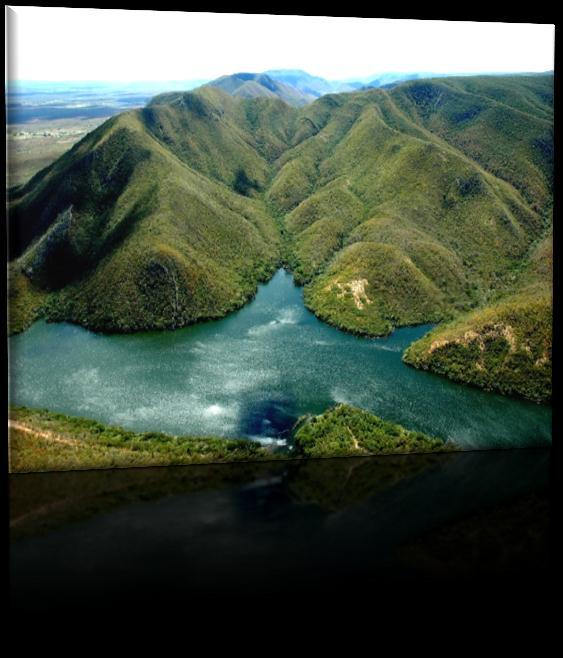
x,y
430,201
345,431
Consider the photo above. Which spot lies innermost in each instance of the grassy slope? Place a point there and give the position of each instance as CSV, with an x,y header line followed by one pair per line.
x,y
504,124
43,440
345,431
122,234
371,172
504,346
393,207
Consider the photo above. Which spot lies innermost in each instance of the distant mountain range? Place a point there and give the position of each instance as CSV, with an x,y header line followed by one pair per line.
x,y
29,101
298,88
312,84
254,85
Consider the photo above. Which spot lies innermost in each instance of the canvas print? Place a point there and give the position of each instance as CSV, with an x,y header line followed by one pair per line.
x,y
244,237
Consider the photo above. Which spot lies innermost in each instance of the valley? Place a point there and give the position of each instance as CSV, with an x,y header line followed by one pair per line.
x,y
428,202
32,147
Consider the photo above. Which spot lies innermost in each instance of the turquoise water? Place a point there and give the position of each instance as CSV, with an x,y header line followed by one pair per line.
x,y
253,374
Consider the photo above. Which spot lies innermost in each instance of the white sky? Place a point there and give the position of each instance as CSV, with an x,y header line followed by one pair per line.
x,y
51,43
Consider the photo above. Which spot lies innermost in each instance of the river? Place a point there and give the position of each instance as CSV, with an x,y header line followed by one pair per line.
x,y
252,374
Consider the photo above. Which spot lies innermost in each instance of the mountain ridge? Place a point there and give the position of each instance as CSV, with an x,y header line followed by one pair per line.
x,y
298,88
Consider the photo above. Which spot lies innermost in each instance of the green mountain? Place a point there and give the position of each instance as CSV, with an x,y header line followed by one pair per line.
x,y
122,234
255,85
295,87
423,202
312,85
389,78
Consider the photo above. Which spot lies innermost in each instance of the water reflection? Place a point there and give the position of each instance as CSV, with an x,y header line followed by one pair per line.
x,y
41,502
255,529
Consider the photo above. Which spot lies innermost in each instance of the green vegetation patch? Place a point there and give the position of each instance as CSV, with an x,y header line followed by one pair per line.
x,y
26,303
42,440
505,347
506,344
345,430
370,288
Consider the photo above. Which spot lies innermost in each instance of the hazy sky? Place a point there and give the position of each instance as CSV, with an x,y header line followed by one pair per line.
x,y
50,43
